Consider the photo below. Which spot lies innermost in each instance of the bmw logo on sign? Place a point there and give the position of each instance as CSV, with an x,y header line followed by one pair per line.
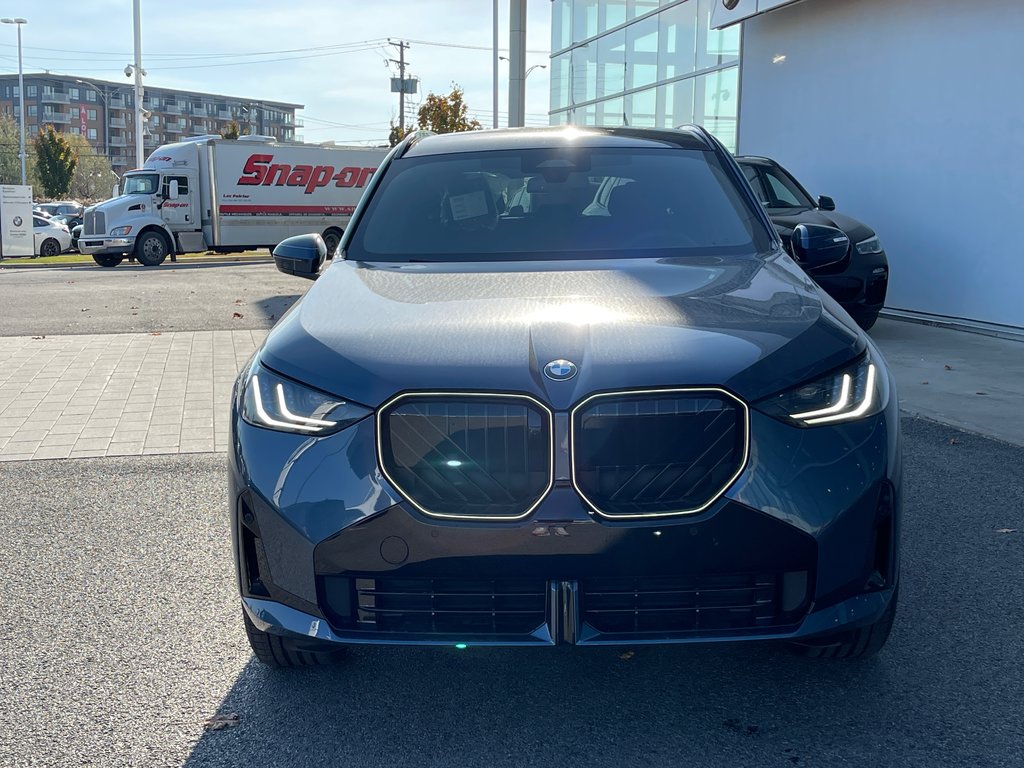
x,y
560,370
17,221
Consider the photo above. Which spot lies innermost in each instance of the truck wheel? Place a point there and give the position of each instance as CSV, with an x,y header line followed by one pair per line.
x,y
151,249
331,239
107,260
50,247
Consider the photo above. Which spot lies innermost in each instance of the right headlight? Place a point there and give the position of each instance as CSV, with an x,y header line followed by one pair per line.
x,y
274,402
120,231
869,246
853,392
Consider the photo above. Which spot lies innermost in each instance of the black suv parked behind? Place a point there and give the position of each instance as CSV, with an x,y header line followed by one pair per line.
x,y
859,280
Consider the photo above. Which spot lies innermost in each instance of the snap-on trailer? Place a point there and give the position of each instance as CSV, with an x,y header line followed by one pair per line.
x,y
209,193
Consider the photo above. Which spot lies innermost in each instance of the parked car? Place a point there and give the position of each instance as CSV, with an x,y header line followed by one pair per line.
x,y
51,238
860,279
67,219
63,208
76,232
590,422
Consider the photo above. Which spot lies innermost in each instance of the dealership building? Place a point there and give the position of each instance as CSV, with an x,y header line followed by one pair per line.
x,y
906,113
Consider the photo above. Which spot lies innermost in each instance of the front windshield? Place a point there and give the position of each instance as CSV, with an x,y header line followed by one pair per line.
x,y
780,190
557,203
141,184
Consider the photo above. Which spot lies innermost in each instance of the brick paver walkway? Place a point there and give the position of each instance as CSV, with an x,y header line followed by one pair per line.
x,y
118,394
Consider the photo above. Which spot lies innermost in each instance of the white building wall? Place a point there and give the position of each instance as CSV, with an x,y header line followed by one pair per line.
x,y
911,115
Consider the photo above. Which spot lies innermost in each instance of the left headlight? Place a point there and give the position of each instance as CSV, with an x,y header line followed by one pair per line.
x,y
869,246
274,402
120,231
853,392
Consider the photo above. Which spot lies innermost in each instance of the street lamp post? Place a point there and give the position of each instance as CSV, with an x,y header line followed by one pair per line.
x,y
21,94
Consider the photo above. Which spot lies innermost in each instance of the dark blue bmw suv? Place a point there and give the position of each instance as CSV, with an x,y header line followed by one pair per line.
x,y
564,386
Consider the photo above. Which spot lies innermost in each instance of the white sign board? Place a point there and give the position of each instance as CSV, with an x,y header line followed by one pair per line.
x,y
729,12
17,238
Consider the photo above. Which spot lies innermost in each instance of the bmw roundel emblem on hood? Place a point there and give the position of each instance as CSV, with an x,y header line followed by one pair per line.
x,y
560,370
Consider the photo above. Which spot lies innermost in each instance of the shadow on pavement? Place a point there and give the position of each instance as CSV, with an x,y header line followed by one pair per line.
x,y
272,307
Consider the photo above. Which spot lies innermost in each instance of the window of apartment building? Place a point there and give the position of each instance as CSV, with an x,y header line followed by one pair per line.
x,y
156,120
31,91
90,95
33,110
92,114
155,102
92,134
75,130
47,90
16,92
74,93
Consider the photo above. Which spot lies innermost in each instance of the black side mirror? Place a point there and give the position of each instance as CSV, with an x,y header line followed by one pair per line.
x,y
826,203
817,246
302,256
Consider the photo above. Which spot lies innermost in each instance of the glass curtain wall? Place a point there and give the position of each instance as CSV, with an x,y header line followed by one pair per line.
x,y
643,63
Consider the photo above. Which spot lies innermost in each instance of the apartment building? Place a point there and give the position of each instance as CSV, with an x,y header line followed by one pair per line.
x,y
104,112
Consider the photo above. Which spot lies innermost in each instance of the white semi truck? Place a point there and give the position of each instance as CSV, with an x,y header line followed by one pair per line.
x,y
209,193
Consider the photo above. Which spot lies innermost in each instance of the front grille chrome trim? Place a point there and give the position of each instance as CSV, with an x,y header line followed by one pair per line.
x,y
633,392
381,464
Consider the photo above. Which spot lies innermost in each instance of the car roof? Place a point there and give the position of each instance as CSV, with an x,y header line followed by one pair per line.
x,y
687,137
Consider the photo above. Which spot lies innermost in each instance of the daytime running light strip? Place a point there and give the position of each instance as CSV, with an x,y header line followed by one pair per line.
x,y
861,409
299,419
265,417
844,401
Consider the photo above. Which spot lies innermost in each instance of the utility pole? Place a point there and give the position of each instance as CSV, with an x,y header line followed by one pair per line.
x,y
400,61
517,64
494,65
140,120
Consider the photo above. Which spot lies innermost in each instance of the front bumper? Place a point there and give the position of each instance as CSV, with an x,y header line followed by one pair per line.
x,y
804,543
92,245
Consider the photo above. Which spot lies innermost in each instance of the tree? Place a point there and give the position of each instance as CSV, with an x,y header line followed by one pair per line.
x,y
10,163
397,133
56,161
446,114
232,130
93,178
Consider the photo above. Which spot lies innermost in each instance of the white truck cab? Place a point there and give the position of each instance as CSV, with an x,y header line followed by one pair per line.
x,y
227,195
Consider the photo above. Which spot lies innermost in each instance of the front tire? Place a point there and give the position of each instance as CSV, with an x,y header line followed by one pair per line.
x,y
331,238
106,260
277,652
50,247
860,643
867,321
151,249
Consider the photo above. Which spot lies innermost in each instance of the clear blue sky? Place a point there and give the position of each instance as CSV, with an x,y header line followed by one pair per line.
x,y
330,55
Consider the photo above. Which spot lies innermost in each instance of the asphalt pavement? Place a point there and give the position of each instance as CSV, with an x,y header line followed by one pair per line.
x,y
182,297
122,636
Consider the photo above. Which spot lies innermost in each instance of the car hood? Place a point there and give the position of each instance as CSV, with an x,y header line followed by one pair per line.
x,y
785,222
369,331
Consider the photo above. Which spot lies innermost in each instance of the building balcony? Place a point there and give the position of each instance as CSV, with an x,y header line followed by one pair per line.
x,y
118,122
171,127
172,108
224,114
56,98
117,102
57,118
117,141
